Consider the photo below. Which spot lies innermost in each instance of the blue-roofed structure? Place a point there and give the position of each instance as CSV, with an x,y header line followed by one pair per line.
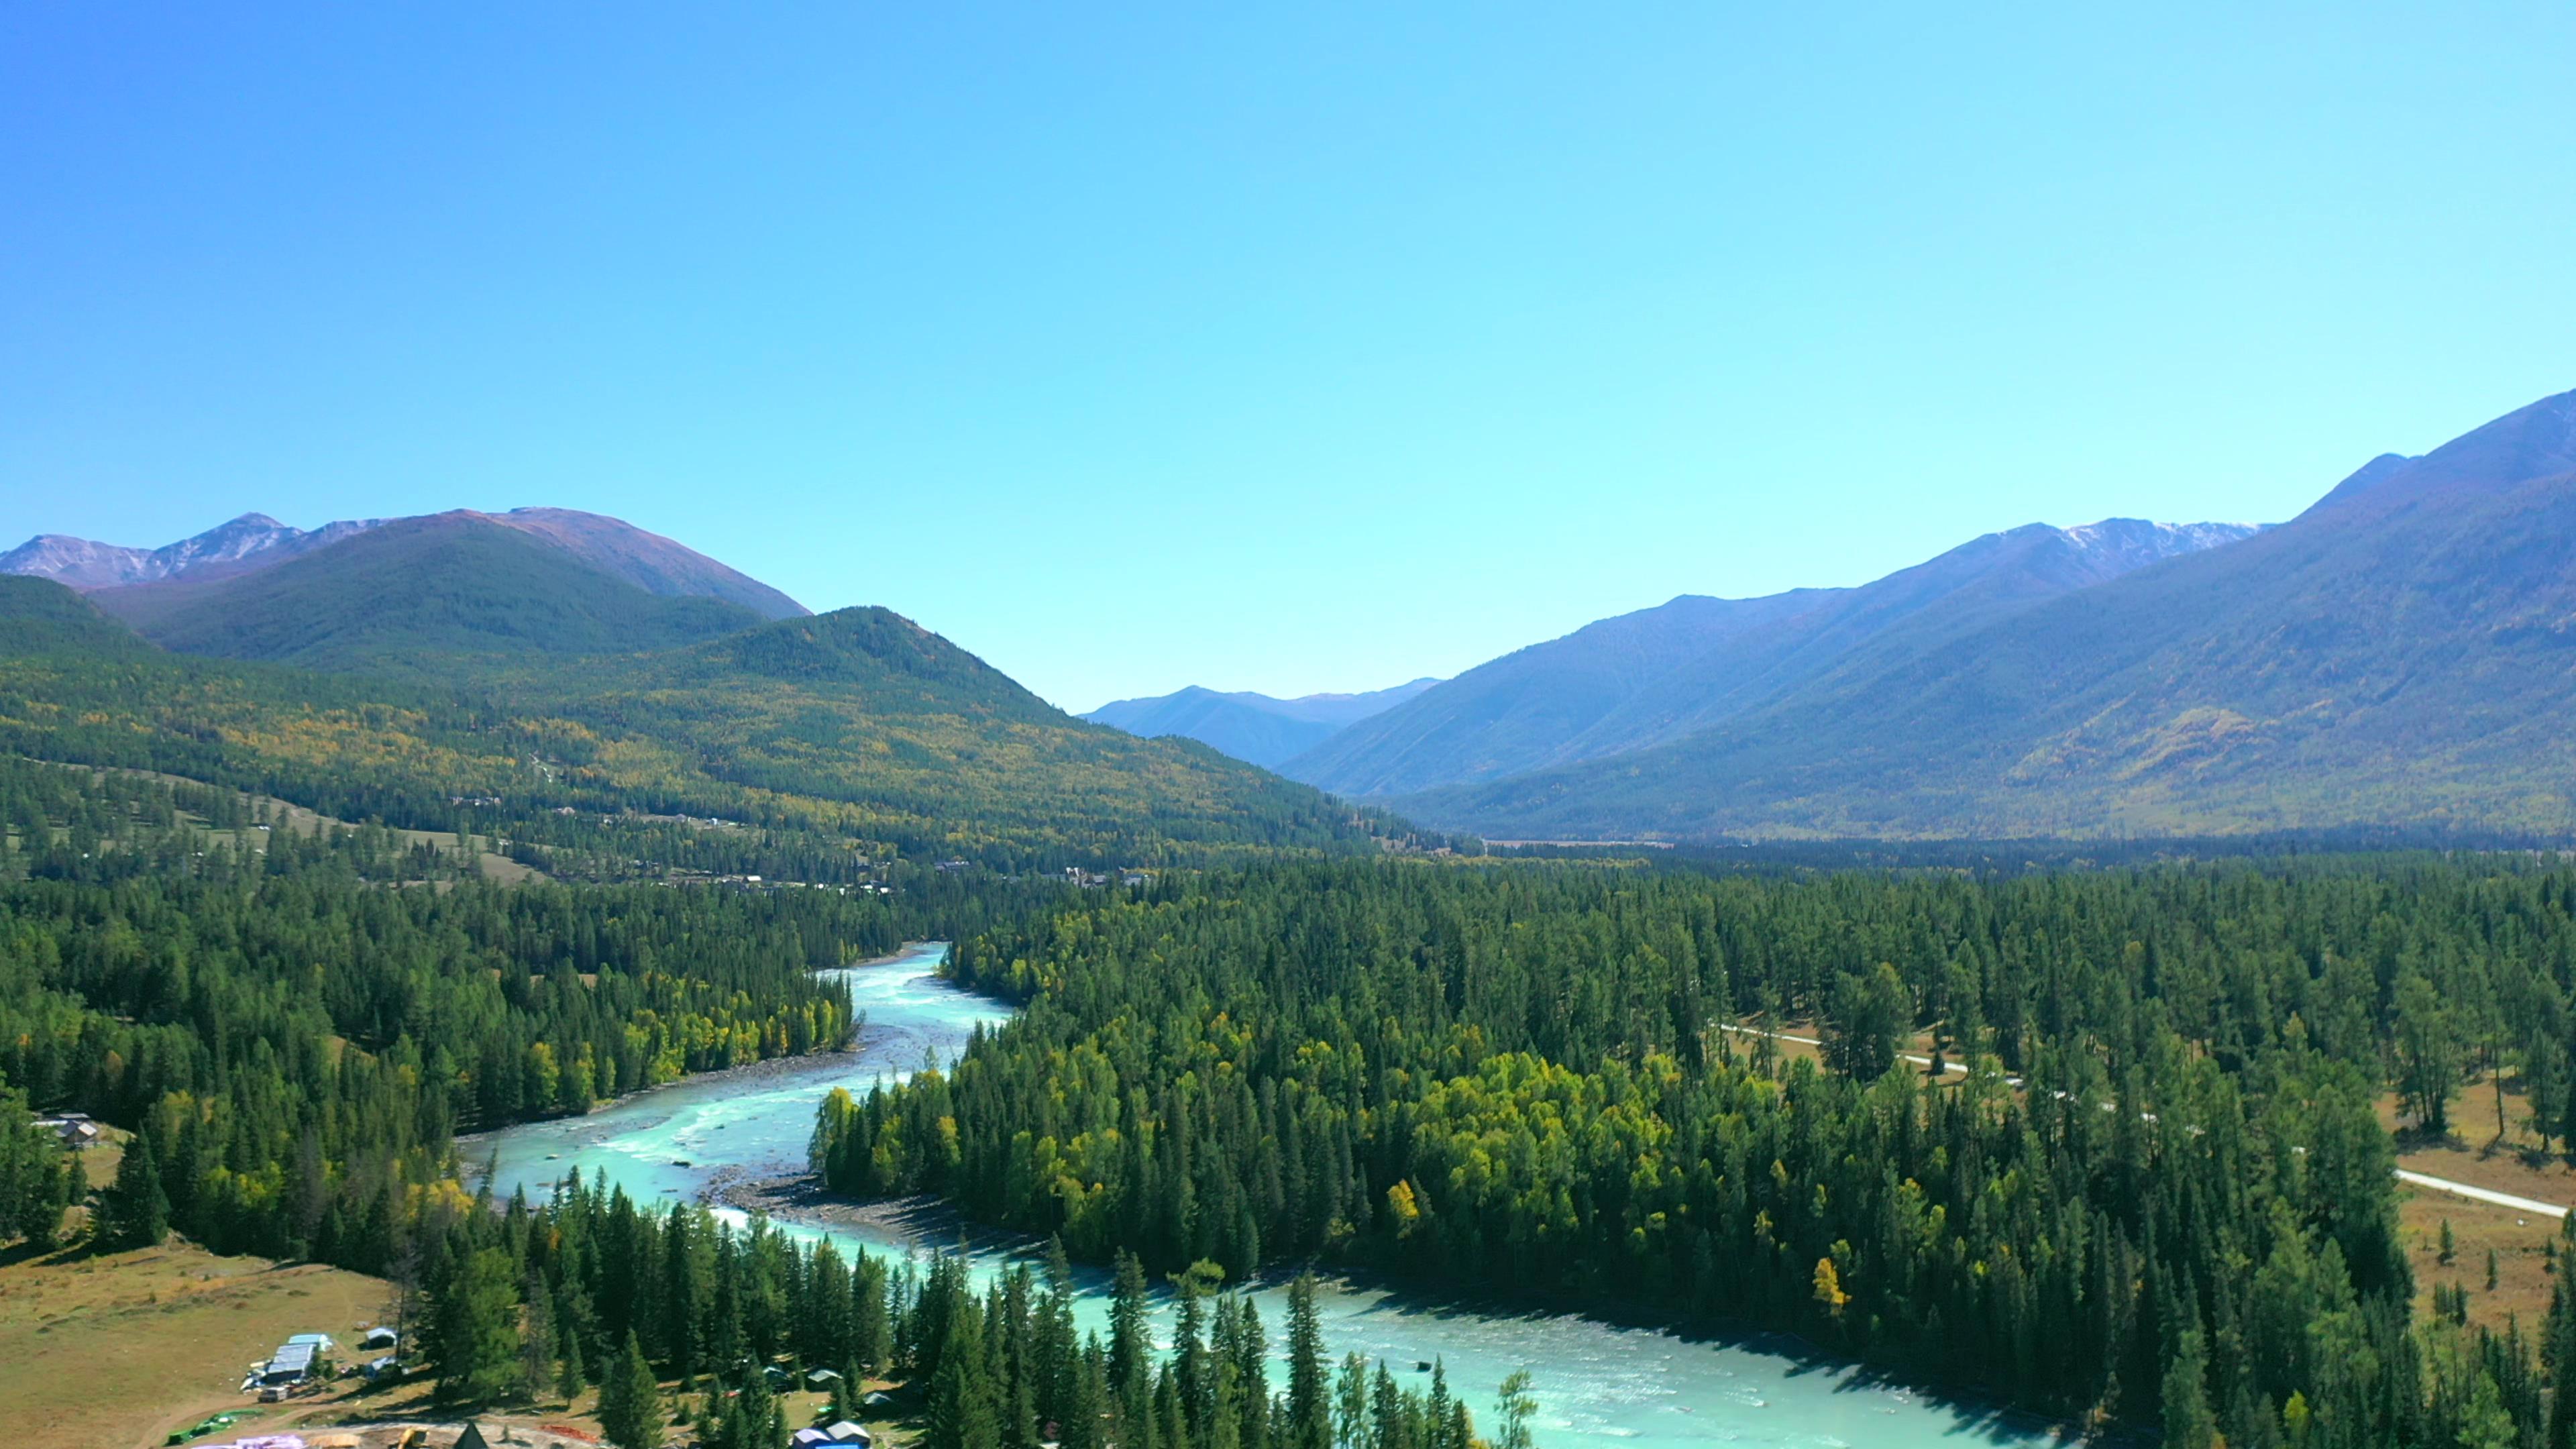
x,y
296,1360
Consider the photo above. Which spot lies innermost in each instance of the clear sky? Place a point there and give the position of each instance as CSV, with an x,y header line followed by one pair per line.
x,y
1298,348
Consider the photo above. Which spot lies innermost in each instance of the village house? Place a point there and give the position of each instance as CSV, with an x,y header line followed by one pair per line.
x,y
74,1128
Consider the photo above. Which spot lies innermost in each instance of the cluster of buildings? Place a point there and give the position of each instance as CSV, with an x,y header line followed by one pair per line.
x,y
74,1128
301,1360
307,1357
1092,879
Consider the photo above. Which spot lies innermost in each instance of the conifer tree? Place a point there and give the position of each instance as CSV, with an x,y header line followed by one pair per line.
x,y
537,1366
871,1328
752,1419
2188,1422
1251,1357
573,1375
630,1402
2558,1346
474,1317
1130,1338
138,1212
1513,1407
963,1414
1310,1406
33,1180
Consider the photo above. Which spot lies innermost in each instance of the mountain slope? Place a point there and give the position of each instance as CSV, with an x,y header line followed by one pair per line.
x,y
256,541
418,596
1644,678
649,561
2402,653
1250,726
865,706
43,618
852,734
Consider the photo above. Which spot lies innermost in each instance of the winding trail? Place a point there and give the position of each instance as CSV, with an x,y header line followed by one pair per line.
x,y
2483,1194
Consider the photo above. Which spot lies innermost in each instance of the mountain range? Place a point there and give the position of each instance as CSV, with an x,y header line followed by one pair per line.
x,y
564,663
251,541
1255,727
1644,678
2402,653
255,542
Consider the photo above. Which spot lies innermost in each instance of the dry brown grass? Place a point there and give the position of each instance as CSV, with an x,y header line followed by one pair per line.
x,y
2524,1272
2474,1153
120,1348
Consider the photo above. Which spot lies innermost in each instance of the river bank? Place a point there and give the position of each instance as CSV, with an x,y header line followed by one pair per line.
x,y
923,1223
738,1140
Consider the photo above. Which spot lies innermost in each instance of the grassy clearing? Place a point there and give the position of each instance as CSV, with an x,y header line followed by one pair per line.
x,y
2473,1152
122,1347
2524,1271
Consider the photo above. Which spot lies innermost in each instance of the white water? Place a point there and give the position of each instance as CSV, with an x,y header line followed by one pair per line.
x,y
1596,1384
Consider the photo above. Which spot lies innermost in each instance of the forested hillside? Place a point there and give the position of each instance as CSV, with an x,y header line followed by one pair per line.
x,y
294,1026
441,597
856,734
2162,1190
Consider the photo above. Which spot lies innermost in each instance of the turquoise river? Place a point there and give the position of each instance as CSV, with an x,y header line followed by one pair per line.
x,y
1597,1383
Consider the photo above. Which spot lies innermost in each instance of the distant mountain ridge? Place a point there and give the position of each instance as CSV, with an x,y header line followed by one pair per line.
x,y
250,541
455,656
255,541
2401,653
449,594
1640,679
1257,728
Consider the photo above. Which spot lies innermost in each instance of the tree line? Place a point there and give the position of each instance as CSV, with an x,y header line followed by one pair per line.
x,y
678,1317
2160,1193
296,1026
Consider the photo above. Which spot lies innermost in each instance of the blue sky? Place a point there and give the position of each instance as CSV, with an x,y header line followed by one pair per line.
x,y
1293,349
